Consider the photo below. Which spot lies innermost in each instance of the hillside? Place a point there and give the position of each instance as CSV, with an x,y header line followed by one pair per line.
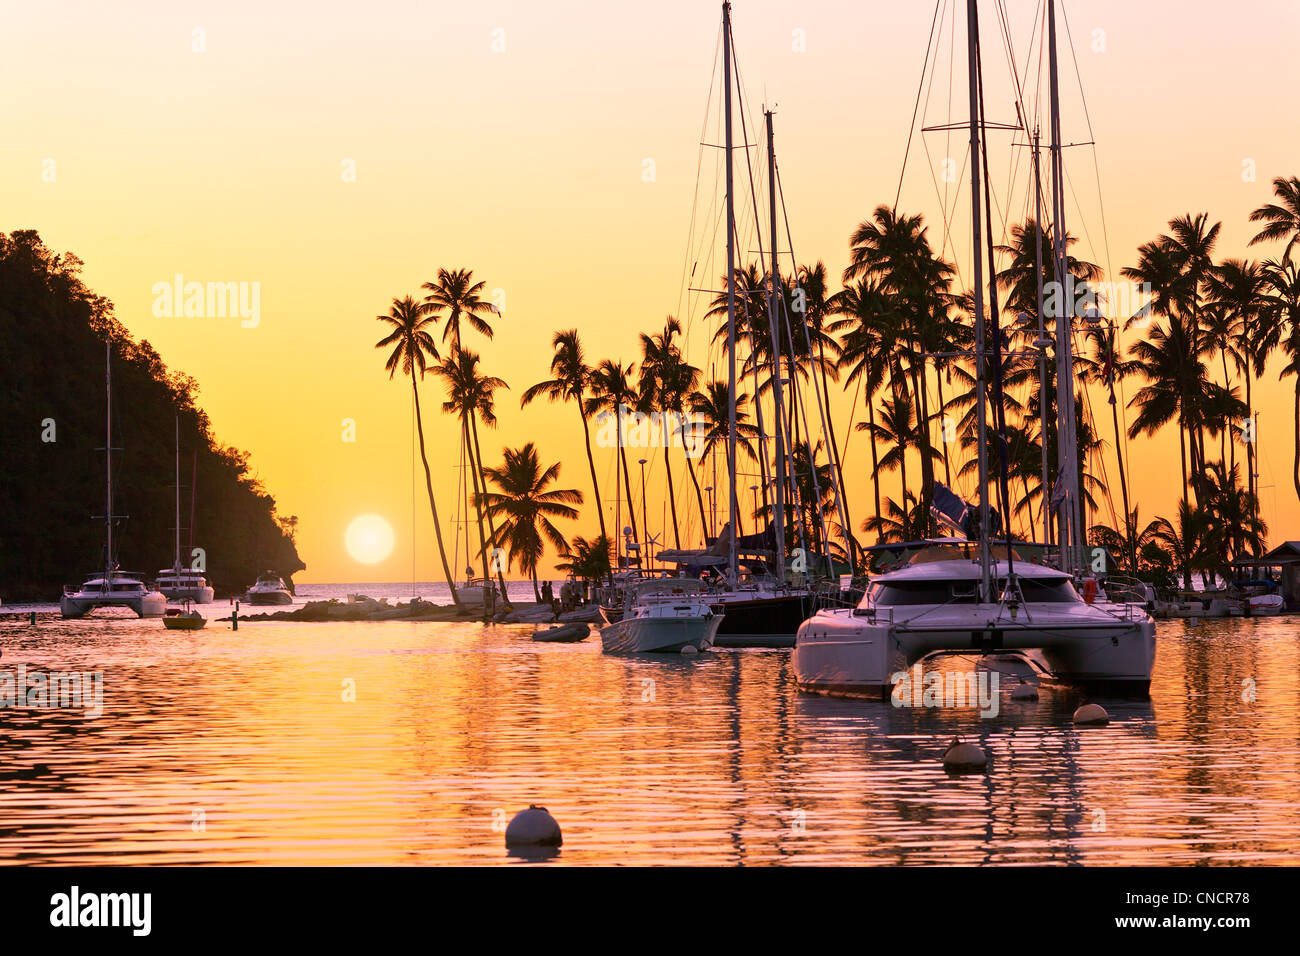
x,y
52,333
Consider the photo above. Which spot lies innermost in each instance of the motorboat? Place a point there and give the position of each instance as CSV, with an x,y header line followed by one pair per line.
x,y
113,588
663,615
937,606
269,589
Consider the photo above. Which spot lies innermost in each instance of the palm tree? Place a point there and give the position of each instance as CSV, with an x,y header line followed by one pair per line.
x,y
470,395
458,294
414,350
611,391
1282,217
712,408
527,504
589,560
1105,367
1185,541
666,380
1282,298
1236,290
570,384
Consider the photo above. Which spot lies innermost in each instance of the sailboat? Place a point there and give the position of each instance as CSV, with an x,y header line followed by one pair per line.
x,y
111,587
762,603
971,596
179,583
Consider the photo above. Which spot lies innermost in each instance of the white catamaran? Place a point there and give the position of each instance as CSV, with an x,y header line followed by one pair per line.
x,y
111,587
949,599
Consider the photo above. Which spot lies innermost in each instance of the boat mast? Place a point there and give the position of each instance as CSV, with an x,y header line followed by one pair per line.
x,y
108,465
1041,344
972,51
773,298
731,295
178,493
1071,539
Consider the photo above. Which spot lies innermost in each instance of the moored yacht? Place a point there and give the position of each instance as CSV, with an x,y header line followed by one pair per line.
x,y
935,605
269,589
179,583
113,588
663,616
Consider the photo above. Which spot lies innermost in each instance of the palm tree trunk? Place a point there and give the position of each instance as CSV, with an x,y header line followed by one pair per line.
x,y
591,464
1295,469
835,451
492,531
478,495
433,507
672,497
1119,457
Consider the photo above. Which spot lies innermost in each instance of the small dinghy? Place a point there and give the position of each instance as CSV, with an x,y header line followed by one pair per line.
x,y
564,634
184,620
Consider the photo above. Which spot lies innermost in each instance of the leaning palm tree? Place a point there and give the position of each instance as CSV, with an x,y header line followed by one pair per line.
x,y
611,391
572,376
526,504
458,294
470,396
1282,217
414,351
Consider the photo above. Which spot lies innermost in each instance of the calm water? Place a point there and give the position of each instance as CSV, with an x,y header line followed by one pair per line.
x,y
712,760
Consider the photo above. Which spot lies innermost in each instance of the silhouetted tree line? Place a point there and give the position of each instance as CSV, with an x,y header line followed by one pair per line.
x,y
52,334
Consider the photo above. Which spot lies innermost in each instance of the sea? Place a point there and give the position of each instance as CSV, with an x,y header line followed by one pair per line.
x,y
416,742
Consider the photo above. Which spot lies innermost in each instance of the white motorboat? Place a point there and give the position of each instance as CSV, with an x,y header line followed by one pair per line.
x,y
663,616
269,589
935,606
111,587
1264,605
179,583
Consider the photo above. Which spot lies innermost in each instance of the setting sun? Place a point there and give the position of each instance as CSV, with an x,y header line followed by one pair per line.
x,y
369,539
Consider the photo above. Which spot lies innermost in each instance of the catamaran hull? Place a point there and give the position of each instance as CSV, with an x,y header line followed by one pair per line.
x,y
659,635
762,622
842,654
152,604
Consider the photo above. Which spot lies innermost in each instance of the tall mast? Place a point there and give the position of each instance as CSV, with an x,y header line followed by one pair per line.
x,y
178,492
774,292
1041,344
731,295
1066,441
972,52
108,465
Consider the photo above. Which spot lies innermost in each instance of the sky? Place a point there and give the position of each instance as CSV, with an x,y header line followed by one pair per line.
x,y
337,156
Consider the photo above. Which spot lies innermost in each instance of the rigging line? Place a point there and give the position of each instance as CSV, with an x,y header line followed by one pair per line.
x,y
699,166
912,129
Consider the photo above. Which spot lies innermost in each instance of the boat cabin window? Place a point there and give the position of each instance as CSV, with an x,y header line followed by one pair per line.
x,y
1047,591
914,592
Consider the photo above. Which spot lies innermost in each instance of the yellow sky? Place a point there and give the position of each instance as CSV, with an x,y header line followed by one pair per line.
x,y
526,165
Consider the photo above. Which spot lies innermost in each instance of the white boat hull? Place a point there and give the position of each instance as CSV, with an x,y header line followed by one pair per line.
x,y
848,654
1265,605
146,604
268,597
651,635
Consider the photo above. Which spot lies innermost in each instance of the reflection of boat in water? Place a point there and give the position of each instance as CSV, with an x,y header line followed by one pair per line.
x,y
663,616
111,587
269,589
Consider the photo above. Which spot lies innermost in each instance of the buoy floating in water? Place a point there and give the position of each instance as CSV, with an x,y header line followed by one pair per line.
x,y
1091,715
690,649
1024,692
964,758
533,827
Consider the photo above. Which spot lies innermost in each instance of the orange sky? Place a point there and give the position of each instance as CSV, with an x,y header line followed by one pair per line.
x,y
526,166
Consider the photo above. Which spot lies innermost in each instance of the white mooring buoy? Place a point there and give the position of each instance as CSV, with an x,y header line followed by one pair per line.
x,y
533,827
1091,715
690,649
964,758
1024,692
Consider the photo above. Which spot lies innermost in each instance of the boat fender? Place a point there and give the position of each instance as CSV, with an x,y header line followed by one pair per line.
x,y
533,827
1089,590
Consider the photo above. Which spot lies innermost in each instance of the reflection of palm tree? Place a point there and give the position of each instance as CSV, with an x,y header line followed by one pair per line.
x,y
457,293
527,504
666,380
611,390
470,395
570,384
414,351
